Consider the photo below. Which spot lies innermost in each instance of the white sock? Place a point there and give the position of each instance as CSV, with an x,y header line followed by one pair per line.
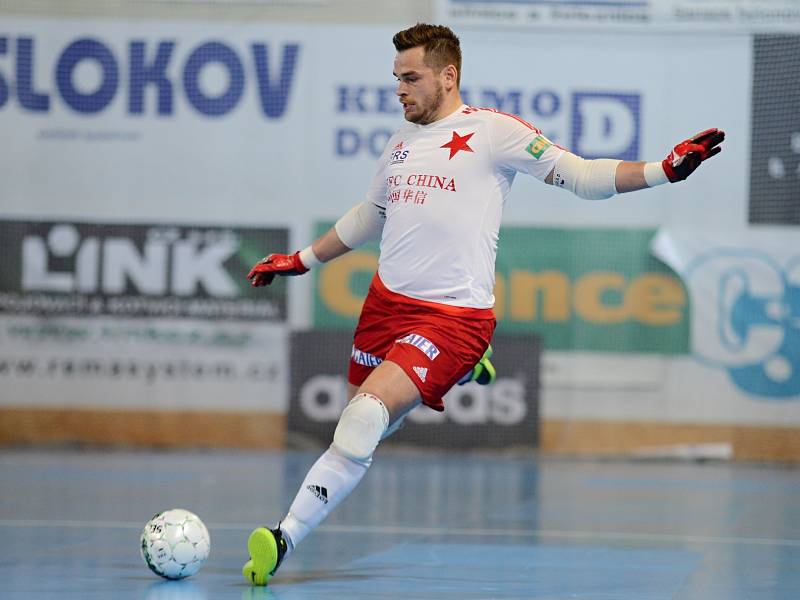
x,y
329,481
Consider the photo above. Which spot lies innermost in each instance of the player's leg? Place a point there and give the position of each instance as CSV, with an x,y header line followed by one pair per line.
x,y
381,401
379,404
395,424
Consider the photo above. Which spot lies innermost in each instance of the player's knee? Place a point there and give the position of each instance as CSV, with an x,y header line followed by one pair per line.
x,y
361,426
393,427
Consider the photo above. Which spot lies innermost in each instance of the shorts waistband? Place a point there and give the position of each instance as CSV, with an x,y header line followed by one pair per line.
x,y
464,312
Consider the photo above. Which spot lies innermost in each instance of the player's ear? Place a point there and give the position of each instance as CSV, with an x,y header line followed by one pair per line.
x,y
450,77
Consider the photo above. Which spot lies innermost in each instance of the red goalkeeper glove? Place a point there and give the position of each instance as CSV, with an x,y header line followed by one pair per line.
x,y
275,264
687,156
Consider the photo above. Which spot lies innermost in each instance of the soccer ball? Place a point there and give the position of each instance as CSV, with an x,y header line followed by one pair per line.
x,y
175,544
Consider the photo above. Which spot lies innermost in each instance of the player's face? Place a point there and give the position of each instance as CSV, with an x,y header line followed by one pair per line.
x,y
420,89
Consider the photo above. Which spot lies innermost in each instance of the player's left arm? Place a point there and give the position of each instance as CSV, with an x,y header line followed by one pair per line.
x,y
681,162
602,178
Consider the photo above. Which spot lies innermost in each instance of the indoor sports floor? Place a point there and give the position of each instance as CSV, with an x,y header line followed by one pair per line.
x,y
418,527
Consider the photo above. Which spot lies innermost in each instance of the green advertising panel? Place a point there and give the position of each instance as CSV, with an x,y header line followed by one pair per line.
x,y
596,290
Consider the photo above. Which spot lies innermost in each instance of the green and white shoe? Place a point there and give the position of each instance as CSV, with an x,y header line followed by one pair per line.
x,y
267,549
483,373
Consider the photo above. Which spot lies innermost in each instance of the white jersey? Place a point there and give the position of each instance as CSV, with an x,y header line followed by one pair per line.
x,y
443,187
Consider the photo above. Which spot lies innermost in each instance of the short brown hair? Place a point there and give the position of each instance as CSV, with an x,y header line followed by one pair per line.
x,y
441,45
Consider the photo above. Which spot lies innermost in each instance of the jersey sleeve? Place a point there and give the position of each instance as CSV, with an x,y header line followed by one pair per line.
x,y
376,192
519,146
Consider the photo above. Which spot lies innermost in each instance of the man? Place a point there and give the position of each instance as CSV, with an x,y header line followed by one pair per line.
x,y
435,203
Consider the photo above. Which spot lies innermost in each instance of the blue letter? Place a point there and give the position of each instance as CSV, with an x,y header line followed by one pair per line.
x,y
274,98
605,125
351,99
545,103
27,97
154,73
202,55
348,142
387,100
76,52
378,140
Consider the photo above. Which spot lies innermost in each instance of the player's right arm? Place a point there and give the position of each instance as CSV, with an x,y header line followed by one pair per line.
x,y
362,223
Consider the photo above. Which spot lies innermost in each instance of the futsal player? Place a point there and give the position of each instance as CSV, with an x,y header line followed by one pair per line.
x,y
435,203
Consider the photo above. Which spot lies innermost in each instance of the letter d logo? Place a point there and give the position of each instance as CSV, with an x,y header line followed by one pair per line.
x,y
605,125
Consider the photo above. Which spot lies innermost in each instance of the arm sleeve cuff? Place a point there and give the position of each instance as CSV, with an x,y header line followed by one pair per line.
x,y
654,174
309,258
589,179
361,224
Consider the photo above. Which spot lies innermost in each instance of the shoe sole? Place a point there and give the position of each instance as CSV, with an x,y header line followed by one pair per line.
x,y
263,556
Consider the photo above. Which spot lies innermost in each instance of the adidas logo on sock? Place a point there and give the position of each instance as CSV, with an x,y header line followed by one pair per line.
x,y
319,491
421,372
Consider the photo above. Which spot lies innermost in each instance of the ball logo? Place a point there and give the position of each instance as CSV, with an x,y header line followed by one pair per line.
x,y
175,543
606,125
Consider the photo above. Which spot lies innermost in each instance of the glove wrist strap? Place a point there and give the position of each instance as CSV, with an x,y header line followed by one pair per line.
x,y
308,258
654,174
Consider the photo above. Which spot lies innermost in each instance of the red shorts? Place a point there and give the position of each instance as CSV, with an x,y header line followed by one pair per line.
x,y
435,344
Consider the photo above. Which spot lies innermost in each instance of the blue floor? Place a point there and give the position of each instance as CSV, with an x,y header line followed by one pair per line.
x,y
418,527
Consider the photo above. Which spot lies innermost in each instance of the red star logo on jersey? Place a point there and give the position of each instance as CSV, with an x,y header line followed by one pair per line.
x,y
458,143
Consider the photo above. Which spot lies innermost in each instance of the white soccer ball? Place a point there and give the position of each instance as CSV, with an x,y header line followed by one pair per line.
x,y
175,543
